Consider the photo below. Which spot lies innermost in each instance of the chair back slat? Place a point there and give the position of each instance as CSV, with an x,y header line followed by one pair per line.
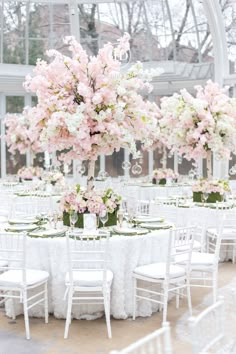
x,y
87,252
207,329
13,251
180,246
158,342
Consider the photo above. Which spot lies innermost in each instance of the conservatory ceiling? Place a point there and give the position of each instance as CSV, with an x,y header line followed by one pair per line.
x,y
191,40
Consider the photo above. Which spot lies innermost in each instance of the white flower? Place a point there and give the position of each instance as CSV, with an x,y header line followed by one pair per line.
x,y
121,90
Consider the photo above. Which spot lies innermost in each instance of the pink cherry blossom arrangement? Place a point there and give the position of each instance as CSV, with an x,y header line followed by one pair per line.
x,y
164,173
88,106
95,201
193,126
19,135
30,172
211,186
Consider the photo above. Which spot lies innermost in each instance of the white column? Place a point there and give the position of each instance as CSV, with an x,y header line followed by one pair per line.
x,y
3,142
217,28
102,163
150,162
74,19
199,167
126,159
176,162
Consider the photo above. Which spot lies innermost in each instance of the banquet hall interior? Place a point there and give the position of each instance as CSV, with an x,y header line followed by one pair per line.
x,y
117,176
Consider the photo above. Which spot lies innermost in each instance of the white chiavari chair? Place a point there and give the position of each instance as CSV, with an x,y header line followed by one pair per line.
x,y
44,203
207,329
226,230
143,208
158,342
204,266
88,280
6,197
17,281
169,276
23,206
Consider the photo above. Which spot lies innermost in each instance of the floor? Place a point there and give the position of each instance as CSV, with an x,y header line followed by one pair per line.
x,y
89,337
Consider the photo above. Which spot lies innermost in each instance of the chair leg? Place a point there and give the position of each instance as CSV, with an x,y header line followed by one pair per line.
x,y
107,312
189,295
134,297
46,302
13,313
68,315
177,298
165,301
26,315
214,285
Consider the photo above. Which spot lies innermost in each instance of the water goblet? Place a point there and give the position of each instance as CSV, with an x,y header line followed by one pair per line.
x,y
55,219
73,219
103,216
120,217
204,197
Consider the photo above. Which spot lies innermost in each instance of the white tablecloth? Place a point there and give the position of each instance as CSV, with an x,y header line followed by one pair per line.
x,y
125,253
153,192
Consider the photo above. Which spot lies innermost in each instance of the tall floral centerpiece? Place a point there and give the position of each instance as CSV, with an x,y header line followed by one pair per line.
x,y
19,134
199,126
87,106
20,137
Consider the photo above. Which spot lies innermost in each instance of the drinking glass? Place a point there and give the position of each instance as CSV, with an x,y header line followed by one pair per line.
x,y
204,197
131,213
55,219
120,217
103,217
73,219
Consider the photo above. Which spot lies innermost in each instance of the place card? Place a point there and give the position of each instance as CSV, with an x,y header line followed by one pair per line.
x,y
90,223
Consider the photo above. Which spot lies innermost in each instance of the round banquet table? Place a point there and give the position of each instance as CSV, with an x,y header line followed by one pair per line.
x,y
125,253
202,216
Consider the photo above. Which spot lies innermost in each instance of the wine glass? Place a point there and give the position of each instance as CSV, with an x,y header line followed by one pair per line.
x,y
50,219
73,219
120,217
103,216
55,219
204,197
130,214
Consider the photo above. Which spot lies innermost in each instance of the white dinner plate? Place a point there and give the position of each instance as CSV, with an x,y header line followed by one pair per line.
x,y
156,226
26,220
48,232
143,218
129,231
21,227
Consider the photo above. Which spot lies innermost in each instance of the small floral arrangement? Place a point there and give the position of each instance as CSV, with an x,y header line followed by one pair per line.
x,y
94,201
30,172
211,186
164,173
54,177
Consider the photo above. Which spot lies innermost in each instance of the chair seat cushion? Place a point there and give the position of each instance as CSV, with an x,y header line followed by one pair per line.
x,y
227,234
158,271
198,258
89,278
13,278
